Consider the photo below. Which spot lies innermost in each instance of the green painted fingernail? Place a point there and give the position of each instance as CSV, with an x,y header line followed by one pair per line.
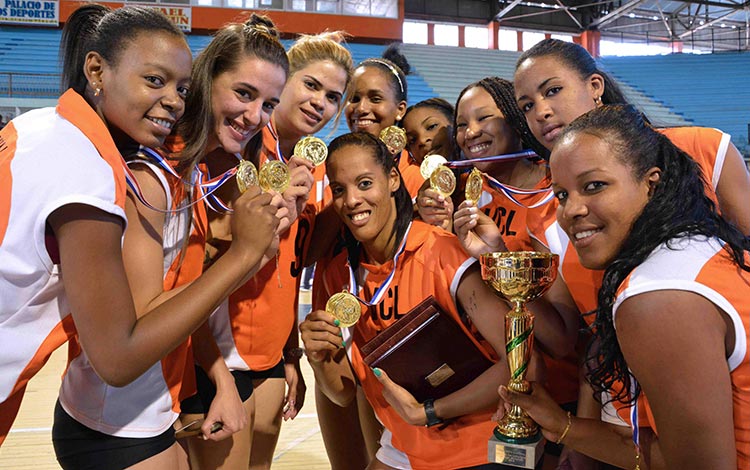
x,y
336,322
343,343
377,372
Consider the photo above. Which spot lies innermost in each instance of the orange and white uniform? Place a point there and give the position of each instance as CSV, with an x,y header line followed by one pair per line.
x,y
700,265
410,173
49,158
509,216
253,325
149,405
432,250
708,147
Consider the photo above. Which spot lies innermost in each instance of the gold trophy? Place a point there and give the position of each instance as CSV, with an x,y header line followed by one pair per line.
x,y
518,277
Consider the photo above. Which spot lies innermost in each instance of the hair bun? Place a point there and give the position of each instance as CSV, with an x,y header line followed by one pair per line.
x,y
262,24
393,54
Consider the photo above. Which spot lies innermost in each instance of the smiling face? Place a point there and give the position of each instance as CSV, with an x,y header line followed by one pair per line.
x,y
427,132
363,196
372,105
481,129
311,97
552,94
242,100
143,93
600,197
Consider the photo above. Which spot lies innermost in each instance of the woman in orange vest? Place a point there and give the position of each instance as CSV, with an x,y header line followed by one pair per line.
x,y
669,359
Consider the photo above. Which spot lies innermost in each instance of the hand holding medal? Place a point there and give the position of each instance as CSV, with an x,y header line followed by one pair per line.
x,y
345,308
247,175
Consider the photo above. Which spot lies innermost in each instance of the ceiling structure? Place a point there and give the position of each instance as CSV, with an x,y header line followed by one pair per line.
x,y
713,25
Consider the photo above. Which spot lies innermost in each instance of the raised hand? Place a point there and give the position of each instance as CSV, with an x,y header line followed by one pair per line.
x,y
476,231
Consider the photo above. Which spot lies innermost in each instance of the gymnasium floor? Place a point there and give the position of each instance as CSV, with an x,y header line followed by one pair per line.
x,y
29,445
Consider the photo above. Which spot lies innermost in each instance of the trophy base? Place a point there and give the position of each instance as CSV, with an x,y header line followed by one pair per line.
x,y
521,453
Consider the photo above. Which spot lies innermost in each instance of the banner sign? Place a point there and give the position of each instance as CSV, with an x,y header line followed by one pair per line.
x,y
30,12
180,15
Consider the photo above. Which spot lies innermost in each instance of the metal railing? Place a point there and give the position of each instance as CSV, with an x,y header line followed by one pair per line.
x,y
29,85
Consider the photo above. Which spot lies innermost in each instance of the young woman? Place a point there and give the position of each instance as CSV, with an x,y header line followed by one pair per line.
x,y
429,129
104,433
237,83
384,244
377,99
558,81
679,269
266,306
128,70
488,123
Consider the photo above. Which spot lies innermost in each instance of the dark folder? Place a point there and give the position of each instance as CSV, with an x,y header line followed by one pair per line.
x,y
426,352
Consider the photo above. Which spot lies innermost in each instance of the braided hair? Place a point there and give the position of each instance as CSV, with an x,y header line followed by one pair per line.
x,y
503,95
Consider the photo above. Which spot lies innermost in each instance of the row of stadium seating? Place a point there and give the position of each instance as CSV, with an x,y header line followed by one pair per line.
x,y
678,89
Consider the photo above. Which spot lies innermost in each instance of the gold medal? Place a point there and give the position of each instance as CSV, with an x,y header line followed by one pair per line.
x,y
274,174
430,164
394,138
312,149
345,308
443,180
474,186
247,175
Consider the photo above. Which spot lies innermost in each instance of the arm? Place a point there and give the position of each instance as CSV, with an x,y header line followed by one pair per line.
x,y
683,372
226,408
295,382
327,356
732,189
120,345
476,231
434,208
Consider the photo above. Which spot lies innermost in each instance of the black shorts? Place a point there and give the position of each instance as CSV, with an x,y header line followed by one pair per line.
x,y
275,372
80,448
201,401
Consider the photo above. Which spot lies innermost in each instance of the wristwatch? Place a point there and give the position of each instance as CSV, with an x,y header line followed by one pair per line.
x,y
429,411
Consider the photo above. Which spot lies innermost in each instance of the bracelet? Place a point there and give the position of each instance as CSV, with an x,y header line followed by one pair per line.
x,y
565,431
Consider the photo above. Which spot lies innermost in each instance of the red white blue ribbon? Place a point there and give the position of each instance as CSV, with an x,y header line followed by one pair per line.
x,y
508,157
511,193
634,417
380,292
205,186
278,155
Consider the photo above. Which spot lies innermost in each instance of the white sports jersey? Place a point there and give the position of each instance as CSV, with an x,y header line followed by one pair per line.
x,y
49,158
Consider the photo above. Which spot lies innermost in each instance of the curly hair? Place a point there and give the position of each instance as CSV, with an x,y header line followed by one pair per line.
x,y
503,95
662,221
384,158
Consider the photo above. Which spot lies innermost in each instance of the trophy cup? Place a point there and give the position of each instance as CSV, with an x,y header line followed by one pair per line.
x,y
518,277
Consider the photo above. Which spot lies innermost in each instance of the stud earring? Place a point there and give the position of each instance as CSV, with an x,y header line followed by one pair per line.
x,y
598,101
